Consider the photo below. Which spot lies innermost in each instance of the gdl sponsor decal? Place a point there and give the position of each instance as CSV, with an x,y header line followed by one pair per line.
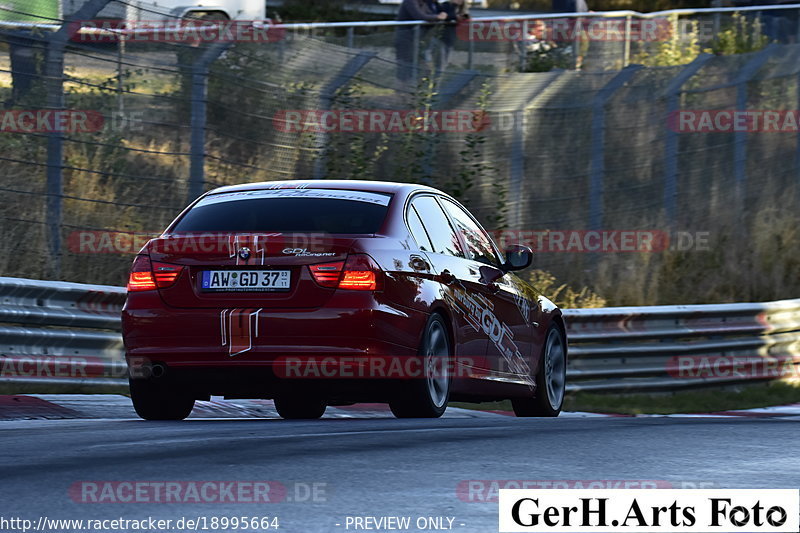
x,y
645,511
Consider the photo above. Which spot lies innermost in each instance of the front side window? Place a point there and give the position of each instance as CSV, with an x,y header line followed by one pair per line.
x,y
442,235
479,245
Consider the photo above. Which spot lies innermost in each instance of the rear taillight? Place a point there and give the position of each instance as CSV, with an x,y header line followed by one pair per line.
x,y
327,274
358,273
361,274
166,274
147,276
141,277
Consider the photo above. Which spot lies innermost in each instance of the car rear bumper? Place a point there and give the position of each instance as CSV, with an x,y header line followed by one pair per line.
x,y
258,337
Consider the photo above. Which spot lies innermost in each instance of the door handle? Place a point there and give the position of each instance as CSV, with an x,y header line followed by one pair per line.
x,y
418,263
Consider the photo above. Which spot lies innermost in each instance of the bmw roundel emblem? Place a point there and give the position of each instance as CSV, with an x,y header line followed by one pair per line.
x,y
244,253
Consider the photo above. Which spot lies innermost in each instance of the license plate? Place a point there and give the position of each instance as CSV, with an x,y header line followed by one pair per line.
x,y
245,280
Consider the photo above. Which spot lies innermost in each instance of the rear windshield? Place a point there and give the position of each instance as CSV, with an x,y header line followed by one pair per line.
x,y
287,210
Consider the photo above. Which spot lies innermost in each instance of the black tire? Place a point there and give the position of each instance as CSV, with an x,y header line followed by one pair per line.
x,y
427,397
551,380
156,401
295,408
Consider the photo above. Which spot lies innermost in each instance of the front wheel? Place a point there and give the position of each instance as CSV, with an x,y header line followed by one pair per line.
x,y
551,380
159,401
427,397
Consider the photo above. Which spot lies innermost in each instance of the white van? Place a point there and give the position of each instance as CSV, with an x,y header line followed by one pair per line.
x,y
155,10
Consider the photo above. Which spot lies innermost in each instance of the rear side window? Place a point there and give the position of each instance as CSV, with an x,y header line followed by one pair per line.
x,y
418,230
479,245
289,210
441,233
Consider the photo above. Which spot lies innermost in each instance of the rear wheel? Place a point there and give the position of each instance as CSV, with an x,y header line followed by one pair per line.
x,y
551,380
159,401
300,408
427,397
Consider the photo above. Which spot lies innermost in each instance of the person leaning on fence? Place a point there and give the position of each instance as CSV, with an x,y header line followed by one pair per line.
x,y
580,41
426,10
457,13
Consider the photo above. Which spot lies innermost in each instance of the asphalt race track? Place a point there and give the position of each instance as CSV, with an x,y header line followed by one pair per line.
x,y
380,466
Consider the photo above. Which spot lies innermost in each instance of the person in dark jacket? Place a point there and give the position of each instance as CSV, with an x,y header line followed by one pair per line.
x,y
457,13
427,10
570,6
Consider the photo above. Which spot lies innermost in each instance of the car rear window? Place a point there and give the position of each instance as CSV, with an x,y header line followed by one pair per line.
x,y
288,210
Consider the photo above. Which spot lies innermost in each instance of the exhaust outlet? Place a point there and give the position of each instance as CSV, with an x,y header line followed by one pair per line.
x,y
158,371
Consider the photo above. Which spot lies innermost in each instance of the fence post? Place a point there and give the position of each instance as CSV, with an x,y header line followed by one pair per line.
x,y
120,75
797,150
517,158
626,59
415,51
328,93
470,52
672,95
54,82
746,74
598,158
523,47
197,159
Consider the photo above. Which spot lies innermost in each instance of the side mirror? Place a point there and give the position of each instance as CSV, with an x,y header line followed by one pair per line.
x,y
518,257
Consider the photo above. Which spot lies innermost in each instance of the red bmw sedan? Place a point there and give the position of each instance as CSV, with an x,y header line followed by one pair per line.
x,y
317,293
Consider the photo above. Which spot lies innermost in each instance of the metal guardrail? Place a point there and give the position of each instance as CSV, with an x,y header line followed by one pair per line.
x,y
670,348
611,349
510,17
628,16
64,333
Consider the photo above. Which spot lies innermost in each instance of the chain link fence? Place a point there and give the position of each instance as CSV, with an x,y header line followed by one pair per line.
x,y
107,135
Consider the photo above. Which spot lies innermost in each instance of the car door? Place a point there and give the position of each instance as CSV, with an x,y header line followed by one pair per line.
x,y
508,322
459,279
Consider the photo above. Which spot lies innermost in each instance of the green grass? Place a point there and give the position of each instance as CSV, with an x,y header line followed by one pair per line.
x,y
706,401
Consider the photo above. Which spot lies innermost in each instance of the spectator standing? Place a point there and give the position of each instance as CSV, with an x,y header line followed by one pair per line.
x,y
580,42
427,10
570,6
457,12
